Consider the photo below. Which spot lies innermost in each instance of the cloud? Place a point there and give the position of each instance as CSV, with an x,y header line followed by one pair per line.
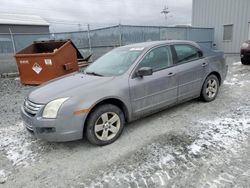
x,y
67,14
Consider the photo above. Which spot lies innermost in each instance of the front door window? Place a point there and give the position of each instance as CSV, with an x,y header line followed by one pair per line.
x,y
158,59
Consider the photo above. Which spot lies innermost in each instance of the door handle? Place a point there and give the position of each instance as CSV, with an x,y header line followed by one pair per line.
x,y
171,74
204,64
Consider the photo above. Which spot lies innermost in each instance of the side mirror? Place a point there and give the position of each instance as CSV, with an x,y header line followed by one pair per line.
x,y
144,71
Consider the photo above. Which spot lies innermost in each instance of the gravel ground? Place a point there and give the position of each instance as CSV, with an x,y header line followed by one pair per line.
x,y
195,144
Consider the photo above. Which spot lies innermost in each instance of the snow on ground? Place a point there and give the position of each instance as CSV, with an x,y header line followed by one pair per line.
x,y
236,79
237,63
16,143
222,133
3,176
164,161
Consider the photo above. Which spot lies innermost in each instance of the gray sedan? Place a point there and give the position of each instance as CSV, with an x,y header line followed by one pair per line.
x,y
125,84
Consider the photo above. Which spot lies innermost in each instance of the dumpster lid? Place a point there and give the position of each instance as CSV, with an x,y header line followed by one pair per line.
x,y
78,53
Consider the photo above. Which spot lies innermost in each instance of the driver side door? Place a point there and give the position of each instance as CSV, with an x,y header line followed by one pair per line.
x,y
154,92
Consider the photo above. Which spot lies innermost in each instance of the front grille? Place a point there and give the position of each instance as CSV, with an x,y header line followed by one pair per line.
x,y
31,108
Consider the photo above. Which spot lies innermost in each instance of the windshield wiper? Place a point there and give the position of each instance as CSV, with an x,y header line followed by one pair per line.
x,y
93,73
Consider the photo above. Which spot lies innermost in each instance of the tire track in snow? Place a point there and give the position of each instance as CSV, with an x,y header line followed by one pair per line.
x,y
163,163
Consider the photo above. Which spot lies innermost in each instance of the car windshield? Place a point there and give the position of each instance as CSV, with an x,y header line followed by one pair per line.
x,y
114,63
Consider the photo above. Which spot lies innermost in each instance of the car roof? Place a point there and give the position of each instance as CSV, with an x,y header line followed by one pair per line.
x,y
147,45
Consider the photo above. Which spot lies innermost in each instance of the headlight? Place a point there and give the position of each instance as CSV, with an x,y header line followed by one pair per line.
x,y
51,109
244,45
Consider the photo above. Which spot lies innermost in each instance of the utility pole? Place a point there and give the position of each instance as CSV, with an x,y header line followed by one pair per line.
x,y
79,27
165,12
120,34
90,50
13,42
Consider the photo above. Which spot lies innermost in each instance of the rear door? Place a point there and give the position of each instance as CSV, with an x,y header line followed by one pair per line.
x,y
150,93
192,68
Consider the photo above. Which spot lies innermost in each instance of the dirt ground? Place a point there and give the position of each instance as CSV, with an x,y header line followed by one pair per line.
x,y
195,144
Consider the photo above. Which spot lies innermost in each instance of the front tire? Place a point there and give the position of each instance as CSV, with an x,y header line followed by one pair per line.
x,y
105,124
210,88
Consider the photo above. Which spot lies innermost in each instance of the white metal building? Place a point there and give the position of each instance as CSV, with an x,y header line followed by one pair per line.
x,y
20,23
16,32
229,18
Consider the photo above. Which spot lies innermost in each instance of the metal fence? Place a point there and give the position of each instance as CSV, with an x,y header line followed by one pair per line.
x,y
11,43
100,41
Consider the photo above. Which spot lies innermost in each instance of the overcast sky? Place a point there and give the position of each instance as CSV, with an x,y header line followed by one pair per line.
x,y
68,14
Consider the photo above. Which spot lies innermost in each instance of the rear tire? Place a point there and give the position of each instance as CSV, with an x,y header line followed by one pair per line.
x,y
105,124
244,62
210,88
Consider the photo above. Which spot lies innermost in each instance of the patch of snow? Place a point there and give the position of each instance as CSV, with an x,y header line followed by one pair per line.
x,y
244,83
221,133
16,143
237,63
226,82
195,148
3,176
235,81
167,159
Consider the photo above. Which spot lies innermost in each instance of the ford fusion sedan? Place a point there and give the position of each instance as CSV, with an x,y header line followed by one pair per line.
x,y
127,83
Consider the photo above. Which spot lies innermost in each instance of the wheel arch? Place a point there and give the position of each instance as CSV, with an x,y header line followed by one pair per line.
x,y
112,100
212,73
217,74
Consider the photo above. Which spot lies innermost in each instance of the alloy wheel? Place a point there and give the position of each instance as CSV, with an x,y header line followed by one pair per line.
x,y
211,88
107,126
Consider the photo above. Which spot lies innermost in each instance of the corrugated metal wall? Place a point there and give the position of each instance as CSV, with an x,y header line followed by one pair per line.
x,y
217,13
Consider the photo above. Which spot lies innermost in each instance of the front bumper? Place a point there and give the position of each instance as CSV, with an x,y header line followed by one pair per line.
x,y
64,128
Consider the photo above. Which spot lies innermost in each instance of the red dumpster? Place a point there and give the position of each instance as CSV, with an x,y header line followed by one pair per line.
x,y
46,60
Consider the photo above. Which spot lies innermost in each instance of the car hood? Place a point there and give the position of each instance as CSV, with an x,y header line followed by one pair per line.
x,y
65,87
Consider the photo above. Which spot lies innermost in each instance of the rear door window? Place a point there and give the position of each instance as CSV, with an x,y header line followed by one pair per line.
x,y
186,53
